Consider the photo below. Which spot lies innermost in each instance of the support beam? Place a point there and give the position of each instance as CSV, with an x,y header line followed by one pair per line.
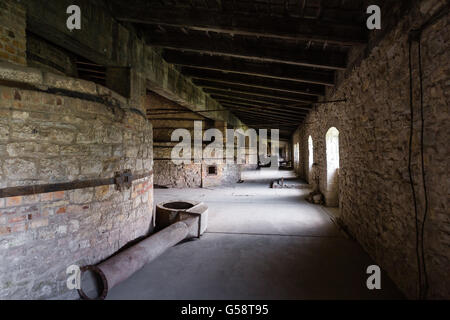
x,y
235,66
258,105
256,97
264,122
256,49
267,113
251,118
269,110
48,20
235,23
251,101
255,115
208,78
168,82
275,124
266,93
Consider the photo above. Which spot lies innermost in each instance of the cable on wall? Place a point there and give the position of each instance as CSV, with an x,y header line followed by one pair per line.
x,y
425,191
411,179
416,36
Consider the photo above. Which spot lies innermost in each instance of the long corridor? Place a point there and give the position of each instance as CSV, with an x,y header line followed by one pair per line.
x,y
261,243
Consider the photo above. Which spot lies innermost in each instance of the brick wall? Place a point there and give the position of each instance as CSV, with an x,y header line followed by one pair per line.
x,y
47,138
12,32
374,189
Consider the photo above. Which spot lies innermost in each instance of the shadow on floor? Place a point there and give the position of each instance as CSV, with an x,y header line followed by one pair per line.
x,y
261,243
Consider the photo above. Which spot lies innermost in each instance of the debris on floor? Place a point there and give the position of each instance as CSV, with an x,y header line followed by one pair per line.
x,y
315,197
288,184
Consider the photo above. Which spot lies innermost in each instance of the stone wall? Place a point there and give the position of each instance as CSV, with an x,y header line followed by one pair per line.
x,y
375,196
47,138
167,116
12,32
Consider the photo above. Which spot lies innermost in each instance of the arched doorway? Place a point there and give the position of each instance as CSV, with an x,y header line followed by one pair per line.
x,y
332,144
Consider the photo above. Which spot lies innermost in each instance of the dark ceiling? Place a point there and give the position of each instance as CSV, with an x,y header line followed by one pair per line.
x,y
267,61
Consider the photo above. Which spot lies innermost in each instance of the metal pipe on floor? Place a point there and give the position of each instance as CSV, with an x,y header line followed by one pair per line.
x,y
121,266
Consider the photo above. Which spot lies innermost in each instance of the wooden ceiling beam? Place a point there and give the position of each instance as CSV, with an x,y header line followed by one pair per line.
x,y
219,97
221,79
256,49
257,103
255,115
236,23
253,95
244,104
267,93
268,112
234,66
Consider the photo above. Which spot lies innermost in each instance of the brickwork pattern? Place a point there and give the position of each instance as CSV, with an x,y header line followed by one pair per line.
x,y
47,138
12,32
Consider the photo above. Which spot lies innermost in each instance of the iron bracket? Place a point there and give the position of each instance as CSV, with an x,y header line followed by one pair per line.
x,y
123,180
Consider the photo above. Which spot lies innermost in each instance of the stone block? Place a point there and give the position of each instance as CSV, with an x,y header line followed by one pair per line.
x,y
39,223
20,169
82,196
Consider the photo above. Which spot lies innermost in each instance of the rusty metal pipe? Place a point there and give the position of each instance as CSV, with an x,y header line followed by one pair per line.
x,y
121,266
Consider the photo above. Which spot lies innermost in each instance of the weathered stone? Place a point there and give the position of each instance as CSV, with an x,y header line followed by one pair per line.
x,y
47,147
19,169
374,192
4,132
82,196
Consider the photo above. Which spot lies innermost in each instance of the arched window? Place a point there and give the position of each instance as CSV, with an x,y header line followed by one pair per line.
x,y
332,142
310,158
296,154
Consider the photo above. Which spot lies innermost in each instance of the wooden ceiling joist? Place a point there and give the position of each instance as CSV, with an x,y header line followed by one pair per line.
x,y
207,78
233,66
237,23
256,49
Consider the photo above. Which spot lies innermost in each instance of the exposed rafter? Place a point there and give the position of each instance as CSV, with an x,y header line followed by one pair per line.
x,y
278,71
236,23
250,48
286,113
268,61
207,78
256,97
265,116
270,94
266,106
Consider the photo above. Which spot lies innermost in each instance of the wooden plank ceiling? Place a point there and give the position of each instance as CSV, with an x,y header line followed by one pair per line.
x,y
267,61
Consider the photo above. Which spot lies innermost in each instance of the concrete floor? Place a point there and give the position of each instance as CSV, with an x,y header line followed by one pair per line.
x,y
261,243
